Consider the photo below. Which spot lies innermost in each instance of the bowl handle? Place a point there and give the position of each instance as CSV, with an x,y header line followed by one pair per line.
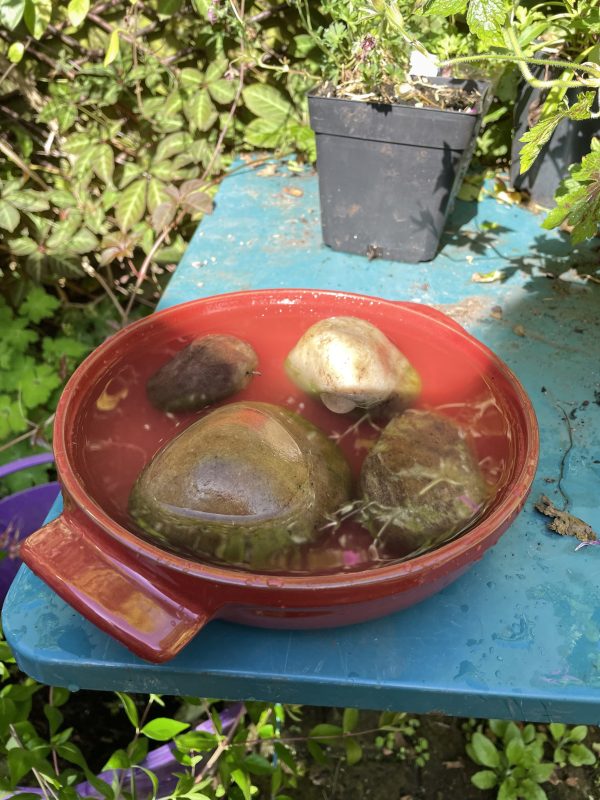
x,y
139,612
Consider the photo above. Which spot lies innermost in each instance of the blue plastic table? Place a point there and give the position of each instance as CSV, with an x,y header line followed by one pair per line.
x,y
519,635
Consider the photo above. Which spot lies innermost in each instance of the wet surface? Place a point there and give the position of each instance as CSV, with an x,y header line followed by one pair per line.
x,y
518,635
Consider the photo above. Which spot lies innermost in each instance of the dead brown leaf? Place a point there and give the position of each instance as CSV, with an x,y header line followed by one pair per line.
x,y
572,780
267,171
564,523
453,764
293,191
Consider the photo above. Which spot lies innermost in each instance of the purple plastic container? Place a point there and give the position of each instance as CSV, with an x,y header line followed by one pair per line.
x,y
22,513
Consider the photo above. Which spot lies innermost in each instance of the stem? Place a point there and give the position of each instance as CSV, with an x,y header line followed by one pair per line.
x,y
95,274
222,746
41,779
146,264
7,150
543,61
225,127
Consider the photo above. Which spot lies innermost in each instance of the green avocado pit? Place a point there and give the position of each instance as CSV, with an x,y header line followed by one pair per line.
x,y
420,484
246,485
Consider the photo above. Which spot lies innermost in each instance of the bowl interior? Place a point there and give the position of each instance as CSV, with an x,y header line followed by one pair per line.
x,y
110,430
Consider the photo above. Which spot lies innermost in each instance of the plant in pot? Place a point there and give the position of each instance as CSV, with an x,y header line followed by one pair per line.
x,y
392,147
569,34
557,54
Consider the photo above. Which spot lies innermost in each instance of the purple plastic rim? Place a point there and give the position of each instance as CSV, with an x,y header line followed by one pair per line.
x,y
25,463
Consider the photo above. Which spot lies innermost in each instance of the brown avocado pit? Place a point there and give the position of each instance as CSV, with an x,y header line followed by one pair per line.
x,y
420,484
209,369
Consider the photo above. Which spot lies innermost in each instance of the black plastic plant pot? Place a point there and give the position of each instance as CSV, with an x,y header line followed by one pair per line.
x,y
388,173
570,142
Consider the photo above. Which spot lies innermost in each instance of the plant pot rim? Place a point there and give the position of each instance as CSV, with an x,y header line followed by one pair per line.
x,y
483,86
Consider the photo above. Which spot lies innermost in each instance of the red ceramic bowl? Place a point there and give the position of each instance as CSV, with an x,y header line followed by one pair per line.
x,y
154,602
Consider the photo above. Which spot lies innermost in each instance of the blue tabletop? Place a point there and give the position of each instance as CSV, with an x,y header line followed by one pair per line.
x,y
516,637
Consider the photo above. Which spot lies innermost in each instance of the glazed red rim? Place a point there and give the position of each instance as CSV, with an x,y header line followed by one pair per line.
x,y
504,513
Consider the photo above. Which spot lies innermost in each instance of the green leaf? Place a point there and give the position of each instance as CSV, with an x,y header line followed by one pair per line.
x,y
268,103
257,765
118,760
29,201
444,7
131,205
130,708
70,752
285,755
172,145
15,52
200,110
325,733
484,779
167,8
77,11
38,304
578,733
511,732
37,16
40,383
353,751
82,242
485,750
11,13
216,69
223,91
316,752
515,751
54,717
192,79
197,741
62,198
529,790
557,729
243,781
157,194
262,133
535,138
486,17
112,50
20,762
506,791
580,755
104,162
9,216
11,417
541,772
162,729
350,720
498,727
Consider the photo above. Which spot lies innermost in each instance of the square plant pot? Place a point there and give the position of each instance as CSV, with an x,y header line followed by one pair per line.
x,y
388,173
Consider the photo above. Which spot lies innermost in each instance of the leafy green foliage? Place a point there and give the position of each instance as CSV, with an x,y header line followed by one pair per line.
x,y
512,757
569,747
156,99
578,198
539,135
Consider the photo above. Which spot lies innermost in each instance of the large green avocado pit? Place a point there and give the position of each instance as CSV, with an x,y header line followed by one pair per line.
x,y
245,485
